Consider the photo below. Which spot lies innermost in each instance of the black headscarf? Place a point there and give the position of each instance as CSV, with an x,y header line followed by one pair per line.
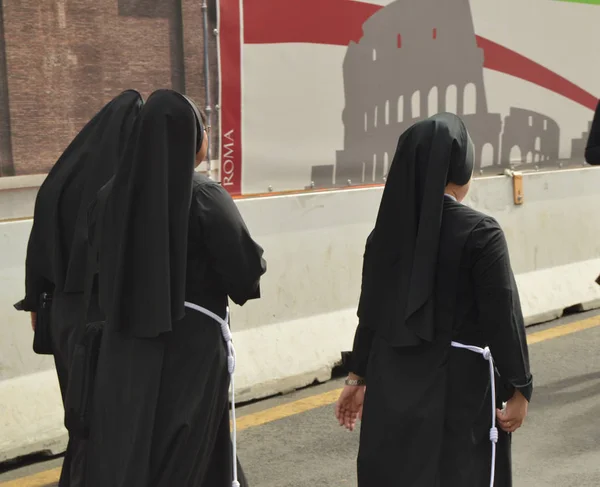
x,y
143,220
400,259
199,125
56,249
592,150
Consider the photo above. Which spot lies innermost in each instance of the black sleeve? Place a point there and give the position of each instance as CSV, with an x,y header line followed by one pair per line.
x,y
235,257
499,307
592,150
357,360
35,285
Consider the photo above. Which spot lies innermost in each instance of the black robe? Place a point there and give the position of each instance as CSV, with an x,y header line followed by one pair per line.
x,y
160,414
56,251
427,411
592,150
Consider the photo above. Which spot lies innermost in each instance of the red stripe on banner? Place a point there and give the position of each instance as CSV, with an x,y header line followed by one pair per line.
x,y
338,22
230,46
504,60
335,22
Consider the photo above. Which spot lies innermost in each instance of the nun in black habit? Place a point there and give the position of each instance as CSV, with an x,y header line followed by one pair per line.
x,y
435,273
57,250
592,150
166,236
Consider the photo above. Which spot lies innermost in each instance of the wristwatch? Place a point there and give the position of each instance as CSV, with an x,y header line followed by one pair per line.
x,y
355,382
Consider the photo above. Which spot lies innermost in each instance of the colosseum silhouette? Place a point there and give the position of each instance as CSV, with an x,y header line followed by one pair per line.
x,y
416,59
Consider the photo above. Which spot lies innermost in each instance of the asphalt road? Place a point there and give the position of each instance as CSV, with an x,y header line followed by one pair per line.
x,y
559,446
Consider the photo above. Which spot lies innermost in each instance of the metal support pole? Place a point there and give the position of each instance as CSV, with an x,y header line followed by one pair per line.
x,y
208,108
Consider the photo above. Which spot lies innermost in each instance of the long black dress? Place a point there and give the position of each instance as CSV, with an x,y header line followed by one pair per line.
x,y
161,415
56,252
427,411
592,150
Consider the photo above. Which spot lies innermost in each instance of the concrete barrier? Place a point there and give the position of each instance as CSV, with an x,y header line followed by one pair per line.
x,y
30,403
314,244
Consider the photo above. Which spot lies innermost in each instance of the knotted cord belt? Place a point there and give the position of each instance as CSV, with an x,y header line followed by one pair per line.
x,y
226,333
487,355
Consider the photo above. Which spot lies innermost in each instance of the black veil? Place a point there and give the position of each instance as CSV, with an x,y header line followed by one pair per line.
x,y
592,150
399,267
56,252
142,219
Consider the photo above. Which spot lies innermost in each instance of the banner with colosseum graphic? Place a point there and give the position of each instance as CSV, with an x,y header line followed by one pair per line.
x,y
314,93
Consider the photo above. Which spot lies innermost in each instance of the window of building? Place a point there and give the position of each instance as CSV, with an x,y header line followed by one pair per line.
x,y
386,164
538,144
374,172
374,54
452,99
366,121
432,101
375,117
487,155
515,155
470,100
416,104
400,109
387,112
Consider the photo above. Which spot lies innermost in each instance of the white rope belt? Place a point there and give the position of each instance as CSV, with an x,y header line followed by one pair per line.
x,y
226,332
487,355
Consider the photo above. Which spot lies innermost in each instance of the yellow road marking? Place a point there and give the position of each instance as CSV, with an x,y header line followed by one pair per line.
x,y
293,408
562,330
286,410
41,479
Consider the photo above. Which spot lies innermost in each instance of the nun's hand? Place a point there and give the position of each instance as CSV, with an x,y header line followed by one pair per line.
x,y
348,409
512,417
33,319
